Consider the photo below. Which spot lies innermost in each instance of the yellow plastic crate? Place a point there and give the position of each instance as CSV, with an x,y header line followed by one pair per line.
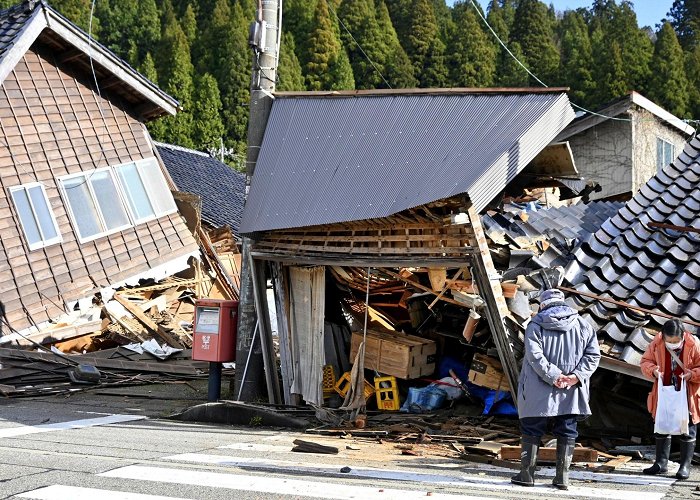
x,y
328,381
387,397
343,386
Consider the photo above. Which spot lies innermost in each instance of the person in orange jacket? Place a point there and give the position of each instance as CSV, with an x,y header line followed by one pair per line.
x,y
658,364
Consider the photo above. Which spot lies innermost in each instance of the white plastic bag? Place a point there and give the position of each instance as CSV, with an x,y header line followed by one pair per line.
x,y
671,410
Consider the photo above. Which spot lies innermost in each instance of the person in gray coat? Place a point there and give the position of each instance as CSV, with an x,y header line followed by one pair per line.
x,y
561,354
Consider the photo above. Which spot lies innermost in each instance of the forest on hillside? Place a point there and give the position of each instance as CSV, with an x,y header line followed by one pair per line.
x,y
197,51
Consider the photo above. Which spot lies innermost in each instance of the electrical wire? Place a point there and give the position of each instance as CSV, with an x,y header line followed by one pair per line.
x,y
577,106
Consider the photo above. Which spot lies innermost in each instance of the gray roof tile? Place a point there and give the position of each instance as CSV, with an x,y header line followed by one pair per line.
x,y
221,188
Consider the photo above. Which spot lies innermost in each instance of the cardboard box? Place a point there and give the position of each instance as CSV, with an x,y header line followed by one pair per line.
x,y
392,353
486,371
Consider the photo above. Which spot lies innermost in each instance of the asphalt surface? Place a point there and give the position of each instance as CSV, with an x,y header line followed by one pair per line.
x,y
121,446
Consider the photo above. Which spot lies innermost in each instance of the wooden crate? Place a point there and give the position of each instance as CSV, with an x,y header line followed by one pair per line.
x,y
397,354
486,371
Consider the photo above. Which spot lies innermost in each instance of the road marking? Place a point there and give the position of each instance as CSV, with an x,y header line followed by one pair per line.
x,y
58,492
72,424
272,485
462,481
258,447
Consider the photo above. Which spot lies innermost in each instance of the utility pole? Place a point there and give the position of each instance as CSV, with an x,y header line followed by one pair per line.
x,y
264,40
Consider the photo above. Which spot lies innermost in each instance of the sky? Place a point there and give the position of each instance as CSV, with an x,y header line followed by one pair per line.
x,y
649,12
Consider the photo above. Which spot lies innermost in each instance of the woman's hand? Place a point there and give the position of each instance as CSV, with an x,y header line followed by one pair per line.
x,y
657,373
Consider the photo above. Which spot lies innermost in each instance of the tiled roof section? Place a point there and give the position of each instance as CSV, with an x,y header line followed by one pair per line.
x,y
12,21
565,227
221,188
648,267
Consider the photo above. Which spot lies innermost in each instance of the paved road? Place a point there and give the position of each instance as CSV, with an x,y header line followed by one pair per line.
x,y
73,451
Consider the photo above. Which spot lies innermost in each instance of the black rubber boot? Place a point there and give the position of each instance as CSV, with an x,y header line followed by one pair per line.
x,y
528,461
565,453
687,450
663,450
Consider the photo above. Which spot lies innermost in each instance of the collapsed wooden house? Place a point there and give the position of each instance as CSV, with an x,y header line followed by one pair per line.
x,y
86,204
392,181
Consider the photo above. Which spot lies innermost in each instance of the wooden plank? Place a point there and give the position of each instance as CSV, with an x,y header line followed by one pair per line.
x,y
550,454
161,332
421,287
613,464
496,307
673,227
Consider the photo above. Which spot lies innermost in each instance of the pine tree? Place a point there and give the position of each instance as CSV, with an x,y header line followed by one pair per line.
x,y
176,71
692,71
363,41
207,127
189,24
509,72
157,126
328,66
297,18
669,85
532,29
424,46
473,61
576,62
685,19
77,11
289,73
608,69
398,69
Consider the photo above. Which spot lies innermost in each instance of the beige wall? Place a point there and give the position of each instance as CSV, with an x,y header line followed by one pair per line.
x,y
647,129
603,154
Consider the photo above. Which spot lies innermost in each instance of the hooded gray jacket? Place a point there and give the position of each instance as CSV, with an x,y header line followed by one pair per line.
x,y
557,341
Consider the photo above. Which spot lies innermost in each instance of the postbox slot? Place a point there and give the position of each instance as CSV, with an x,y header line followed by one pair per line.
x,y
208,320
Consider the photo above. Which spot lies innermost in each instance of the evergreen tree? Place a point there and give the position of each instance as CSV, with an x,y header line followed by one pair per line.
x,y
297,18
176,71
328,66
398,69
289,75
157,126
77,11
510,73
685,19
692,71
575,68
608,69
473,61
189,24
669,85
400,13
207,127
363,41
532,29
424,46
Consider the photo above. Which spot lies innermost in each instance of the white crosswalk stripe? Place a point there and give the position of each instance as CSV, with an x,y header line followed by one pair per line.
x,y
256,469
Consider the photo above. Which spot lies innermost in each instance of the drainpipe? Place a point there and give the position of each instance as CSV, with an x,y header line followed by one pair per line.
x,y
264,40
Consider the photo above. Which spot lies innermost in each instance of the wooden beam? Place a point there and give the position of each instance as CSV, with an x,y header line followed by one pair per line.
x,y
489,284
375,261
550,454
447,286
627,305
673,227
68,56
161,332
422,287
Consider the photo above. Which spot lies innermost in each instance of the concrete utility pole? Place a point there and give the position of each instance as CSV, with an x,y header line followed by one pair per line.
x,y
264,40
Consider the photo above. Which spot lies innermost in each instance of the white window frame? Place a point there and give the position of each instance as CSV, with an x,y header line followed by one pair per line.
x,y
125,195
87,174
666,144
44,242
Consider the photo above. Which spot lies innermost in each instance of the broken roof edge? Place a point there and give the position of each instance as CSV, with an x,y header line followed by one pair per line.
x,y
420,91
619,106
44,17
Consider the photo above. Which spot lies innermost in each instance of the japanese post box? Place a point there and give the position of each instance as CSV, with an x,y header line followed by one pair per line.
x,y
214,333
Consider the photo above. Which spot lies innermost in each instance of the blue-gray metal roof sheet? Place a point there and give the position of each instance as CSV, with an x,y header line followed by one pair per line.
x,y
328,159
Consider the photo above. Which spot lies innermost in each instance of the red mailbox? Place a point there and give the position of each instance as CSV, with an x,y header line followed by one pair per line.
x,y
214,333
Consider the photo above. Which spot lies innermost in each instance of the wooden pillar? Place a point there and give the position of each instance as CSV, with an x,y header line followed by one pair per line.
x,y
489,284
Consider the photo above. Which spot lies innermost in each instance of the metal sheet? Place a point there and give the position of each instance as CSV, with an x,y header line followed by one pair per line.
x,y
327,159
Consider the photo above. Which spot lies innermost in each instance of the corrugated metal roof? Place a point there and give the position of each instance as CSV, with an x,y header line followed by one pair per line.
x,y
628,259
342,157
221,188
